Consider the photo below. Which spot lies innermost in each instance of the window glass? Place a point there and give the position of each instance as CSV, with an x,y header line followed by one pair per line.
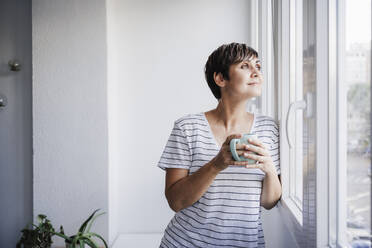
x,y
358,81
296,94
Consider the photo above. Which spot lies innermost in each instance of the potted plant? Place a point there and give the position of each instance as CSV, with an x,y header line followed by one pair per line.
x,y
83,236
38,237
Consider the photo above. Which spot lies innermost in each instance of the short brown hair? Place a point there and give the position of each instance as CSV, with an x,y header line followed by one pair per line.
x,y
221,59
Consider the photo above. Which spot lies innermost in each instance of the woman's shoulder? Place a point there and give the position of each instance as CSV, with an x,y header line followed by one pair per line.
x,y
268,128
265,119
267,124
190,119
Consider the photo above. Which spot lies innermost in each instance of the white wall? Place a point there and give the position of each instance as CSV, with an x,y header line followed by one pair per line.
x,y
96,104
160,51
70,112
157,51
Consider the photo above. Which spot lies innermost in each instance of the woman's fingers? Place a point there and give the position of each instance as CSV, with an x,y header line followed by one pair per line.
x,y
257,142
240,163
240,146
242,153
260,159
250,147
256,149
253,166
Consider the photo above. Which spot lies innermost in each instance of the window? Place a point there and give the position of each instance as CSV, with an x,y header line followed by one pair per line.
x,y
296,92
293,91
357,60
323,80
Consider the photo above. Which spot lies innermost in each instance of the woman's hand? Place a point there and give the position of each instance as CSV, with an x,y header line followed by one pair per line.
x,y
265,162
224,158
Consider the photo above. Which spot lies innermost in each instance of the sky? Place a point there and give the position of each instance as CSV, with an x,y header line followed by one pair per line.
x,y
358,21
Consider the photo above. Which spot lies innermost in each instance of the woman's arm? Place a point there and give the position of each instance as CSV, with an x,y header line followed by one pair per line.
x,y
271,190
182,190
271,186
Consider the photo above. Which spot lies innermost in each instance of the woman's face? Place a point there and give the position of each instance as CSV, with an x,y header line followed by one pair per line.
x,y
245,79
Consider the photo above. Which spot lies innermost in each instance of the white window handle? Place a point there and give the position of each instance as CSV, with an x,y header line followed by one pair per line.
x,y
308,105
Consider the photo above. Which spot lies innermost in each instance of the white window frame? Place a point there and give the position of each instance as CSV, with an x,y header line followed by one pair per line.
x,y
331,168
337,206
288,60
253,42
295,78
331,100
263,29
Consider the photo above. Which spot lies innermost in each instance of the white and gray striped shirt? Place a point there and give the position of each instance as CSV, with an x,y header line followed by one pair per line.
x,y
229,212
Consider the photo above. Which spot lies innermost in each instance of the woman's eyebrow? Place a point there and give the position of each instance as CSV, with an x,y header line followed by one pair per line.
x,y
257,61
249,61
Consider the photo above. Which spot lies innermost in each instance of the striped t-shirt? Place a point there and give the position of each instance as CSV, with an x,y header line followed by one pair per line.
x,y
229,212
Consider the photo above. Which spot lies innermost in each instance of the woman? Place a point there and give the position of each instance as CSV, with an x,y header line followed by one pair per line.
x,y
216,199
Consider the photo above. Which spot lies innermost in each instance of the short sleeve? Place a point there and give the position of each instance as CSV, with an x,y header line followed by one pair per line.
x,y
275,150
176,153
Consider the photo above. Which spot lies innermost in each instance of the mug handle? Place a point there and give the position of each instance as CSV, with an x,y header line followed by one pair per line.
x,y
233,143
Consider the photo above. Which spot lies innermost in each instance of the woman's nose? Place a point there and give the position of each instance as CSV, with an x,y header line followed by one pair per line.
x,y
254,73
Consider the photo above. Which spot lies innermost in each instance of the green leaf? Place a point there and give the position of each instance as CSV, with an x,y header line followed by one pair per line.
x,y
62,236
40,217
75,240
83,226
90,242
95,217
98,236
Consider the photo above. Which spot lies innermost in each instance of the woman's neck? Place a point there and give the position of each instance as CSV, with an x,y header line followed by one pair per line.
x,y
230,114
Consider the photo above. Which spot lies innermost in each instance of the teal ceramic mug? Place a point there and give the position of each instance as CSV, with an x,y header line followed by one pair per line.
x,y
242,140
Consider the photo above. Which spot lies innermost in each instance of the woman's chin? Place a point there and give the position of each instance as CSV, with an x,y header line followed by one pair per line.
x,y
255,93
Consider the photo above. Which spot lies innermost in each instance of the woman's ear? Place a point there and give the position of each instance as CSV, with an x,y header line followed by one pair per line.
x,y
218,78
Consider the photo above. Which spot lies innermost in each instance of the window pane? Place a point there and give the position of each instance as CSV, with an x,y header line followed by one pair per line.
x,y
299,96
296,94
358,80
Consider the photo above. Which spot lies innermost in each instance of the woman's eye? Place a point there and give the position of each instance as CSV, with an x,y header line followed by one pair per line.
x,y
257,66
